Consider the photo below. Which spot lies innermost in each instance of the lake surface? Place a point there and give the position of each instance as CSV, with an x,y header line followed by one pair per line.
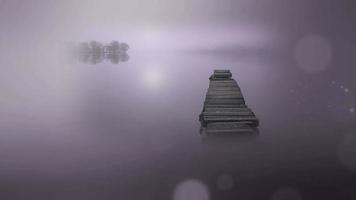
x,y
131,131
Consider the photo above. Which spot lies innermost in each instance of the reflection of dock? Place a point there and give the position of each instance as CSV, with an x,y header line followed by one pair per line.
x,y
229,142
248,135
224,107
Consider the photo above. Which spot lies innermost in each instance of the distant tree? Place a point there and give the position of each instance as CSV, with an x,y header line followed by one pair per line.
x,y
95,52
96,47
124,47
84,47
115,46
114,58
83,52
124,57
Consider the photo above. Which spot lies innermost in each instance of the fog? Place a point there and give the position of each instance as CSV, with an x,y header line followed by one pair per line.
x,y
75,130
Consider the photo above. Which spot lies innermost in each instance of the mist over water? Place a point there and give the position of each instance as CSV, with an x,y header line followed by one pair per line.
x,y
71,130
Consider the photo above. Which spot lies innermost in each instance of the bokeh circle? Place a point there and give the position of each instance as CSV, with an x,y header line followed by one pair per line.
x,y
313,54
191,189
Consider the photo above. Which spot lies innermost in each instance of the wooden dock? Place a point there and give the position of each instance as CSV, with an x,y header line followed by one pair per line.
x,y
224,107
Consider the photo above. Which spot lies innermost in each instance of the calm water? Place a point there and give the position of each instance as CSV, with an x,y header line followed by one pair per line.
x,y
131,131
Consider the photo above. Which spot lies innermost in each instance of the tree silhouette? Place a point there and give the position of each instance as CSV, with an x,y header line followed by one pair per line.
x,y
124,47
95,52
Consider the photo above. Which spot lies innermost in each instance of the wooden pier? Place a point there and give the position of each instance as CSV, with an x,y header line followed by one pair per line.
x,y
224,107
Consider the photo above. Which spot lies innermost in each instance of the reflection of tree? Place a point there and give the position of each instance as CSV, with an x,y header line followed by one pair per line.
x,y
95,52
116,58
83,52
124,47
113,47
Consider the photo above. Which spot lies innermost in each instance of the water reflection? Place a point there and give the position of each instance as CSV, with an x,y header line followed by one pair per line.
x,y
230,150
94,52
228,141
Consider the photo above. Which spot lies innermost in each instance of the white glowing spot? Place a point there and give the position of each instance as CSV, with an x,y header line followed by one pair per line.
x,y
153,78
313,54
342,87
347,151
150,36
333,82
352,110
286,194
191,190
152,39
225,182
346,90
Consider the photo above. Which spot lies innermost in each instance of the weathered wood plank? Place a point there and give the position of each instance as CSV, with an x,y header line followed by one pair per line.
x,y
225,106
228,113
223,102
224,97
251,119
226,125
241,109
224,88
